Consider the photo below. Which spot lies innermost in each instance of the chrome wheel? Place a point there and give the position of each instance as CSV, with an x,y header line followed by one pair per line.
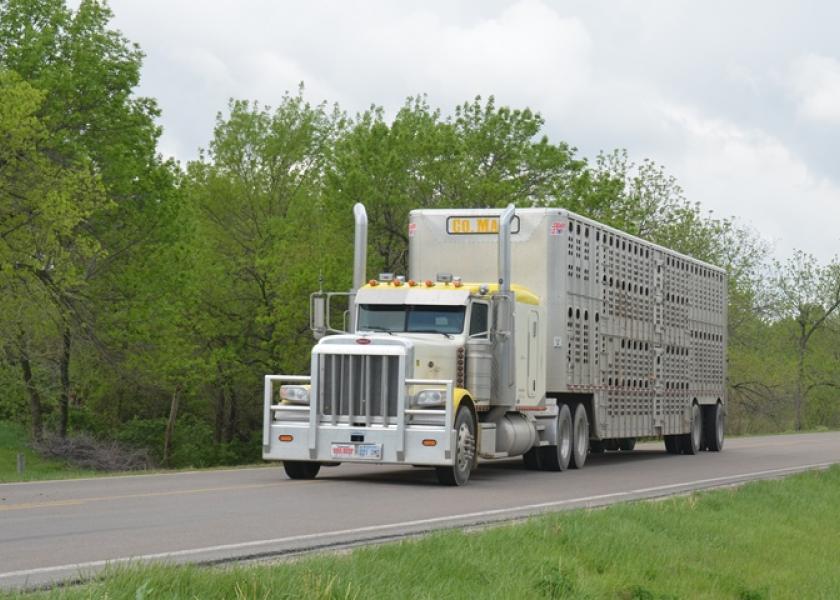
x,y
459,472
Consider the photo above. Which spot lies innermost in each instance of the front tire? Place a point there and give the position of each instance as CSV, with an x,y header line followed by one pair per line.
x,y
557,458
580,437
299,469
459,473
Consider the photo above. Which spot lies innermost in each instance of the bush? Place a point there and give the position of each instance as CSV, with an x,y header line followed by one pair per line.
x,y
86,452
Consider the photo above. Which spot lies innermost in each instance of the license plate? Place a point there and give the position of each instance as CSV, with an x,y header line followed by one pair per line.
x,y
363,451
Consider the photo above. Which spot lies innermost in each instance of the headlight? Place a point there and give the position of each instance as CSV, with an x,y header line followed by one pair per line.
x,y
430,398
296,394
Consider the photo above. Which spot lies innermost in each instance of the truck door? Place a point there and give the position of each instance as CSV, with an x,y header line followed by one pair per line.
x,y
533,351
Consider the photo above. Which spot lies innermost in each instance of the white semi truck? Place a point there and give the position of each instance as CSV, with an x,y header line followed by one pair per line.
x,y
603,338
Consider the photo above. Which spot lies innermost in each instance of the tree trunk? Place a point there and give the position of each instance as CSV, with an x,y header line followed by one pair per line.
x,y
35,409
800,385
170,427
232,416
219,425
64,399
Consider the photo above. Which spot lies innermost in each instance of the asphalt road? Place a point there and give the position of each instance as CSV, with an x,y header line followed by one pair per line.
x,y
64,530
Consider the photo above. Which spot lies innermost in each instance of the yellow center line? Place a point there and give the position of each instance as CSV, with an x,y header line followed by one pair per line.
x,y
81,501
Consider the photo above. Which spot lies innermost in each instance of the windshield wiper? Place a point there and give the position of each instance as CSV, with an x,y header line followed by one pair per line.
x,y
443,333
382,329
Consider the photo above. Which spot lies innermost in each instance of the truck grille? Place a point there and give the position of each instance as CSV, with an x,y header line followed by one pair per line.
x,y
360,388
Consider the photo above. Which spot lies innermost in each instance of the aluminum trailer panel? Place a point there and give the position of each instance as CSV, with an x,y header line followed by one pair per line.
x,y
639,328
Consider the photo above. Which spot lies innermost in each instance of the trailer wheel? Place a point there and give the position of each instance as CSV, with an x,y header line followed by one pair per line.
x,y
557,458
690,442
580,437
299,469
627,444
713,427
672,444
459,473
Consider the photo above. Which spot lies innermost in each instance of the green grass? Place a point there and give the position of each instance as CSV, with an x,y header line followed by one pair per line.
x,y
770,539
14,439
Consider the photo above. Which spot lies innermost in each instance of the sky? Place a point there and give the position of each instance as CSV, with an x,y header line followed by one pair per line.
x,y
740,101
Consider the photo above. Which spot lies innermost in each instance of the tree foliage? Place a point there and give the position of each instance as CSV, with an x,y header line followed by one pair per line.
x,y
143,301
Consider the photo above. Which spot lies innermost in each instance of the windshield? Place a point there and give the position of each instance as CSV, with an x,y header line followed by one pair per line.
x,y
416,318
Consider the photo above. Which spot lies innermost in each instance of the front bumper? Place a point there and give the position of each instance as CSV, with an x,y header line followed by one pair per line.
x,y
300,433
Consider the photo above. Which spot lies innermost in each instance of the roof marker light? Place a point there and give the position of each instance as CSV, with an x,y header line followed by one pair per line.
x,y
373,283
430,283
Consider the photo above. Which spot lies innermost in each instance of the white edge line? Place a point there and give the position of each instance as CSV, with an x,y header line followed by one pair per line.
x,y
430,521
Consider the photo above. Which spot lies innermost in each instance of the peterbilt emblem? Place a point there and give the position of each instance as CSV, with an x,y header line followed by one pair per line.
x,y
363,341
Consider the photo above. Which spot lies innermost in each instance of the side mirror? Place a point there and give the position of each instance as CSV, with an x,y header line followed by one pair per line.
x,y
321,308
318,314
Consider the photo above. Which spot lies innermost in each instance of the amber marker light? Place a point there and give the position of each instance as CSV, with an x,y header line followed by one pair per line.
x,y
429,283
411,283
285,437
429,443
373,283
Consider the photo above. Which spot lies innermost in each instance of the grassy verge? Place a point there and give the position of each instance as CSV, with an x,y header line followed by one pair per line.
x,y
13,439
771,539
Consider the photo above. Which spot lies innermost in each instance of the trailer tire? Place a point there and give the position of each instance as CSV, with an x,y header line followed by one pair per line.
x,y
672,444
713,427
301,469
557,457
580,437
627,444
690,442
459,472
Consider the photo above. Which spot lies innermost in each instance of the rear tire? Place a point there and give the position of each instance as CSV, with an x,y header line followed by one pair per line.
x,y
300,469
713,426
459,472
557,458
580,437
627,444
690,442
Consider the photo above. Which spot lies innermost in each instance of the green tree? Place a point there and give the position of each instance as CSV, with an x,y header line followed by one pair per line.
x,y
482,156
93,125
262,240
44,208
807,295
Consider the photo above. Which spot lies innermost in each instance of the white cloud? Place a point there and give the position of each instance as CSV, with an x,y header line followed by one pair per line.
x,y
714,100
753,175
816,85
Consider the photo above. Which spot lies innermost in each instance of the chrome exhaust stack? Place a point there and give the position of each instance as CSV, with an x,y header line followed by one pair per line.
x,y
359,258
505,222
504,382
